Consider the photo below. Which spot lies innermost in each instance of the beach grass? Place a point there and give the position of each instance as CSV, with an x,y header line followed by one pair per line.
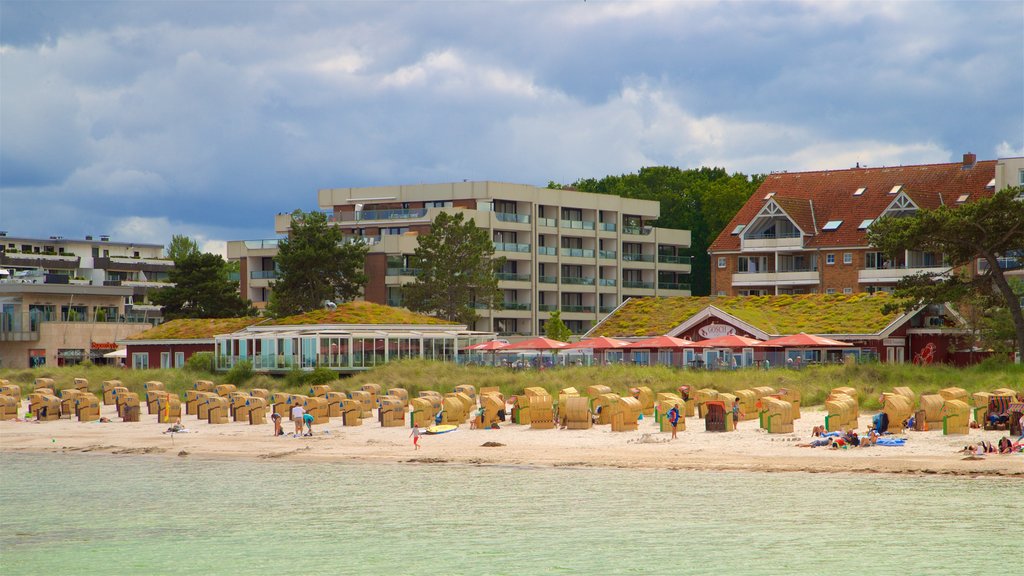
x,y
813,382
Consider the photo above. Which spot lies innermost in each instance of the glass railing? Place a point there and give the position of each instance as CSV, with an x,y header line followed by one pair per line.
x,y
513,277
547,250
510,217
549,222
607,226
547,307
607,281
641,230
395,302
634,257
511,247
263,274
578,280
672,259
260,244
607,309
403,272
234,276
363,215
573,308
516,305
578,224
793,269
607,254
368,240
637,284
578,252
547,279
673,286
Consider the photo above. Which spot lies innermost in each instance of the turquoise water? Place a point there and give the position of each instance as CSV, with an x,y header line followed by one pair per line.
x,y
97,514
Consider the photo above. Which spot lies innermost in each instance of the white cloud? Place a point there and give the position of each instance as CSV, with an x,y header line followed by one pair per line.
x,y
1007,150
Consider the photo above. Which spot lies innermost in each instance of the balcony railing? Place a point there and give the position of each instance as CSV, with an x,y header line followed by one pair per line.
x,y
578,252
510,217
673,286
513,276
637,284
511,247
260,244
516,305
263,274
547,250
640,230
773,235
547,279
578,280
578,224
395,302
575,308
547,307
607,254
671,259
549,222
635,257
402,272
607,282
363,215
607,226
607,309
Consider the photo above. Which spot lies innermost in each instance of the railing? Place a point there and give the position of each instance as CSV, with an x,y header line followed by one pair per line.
x,y
19,335
673,286
547,279
773,235
395,302
637,284
402,272
578,252
511,247
547,250
607,254
364,215
549,222
607,226
608,282
511,217
516,306
260,244
607,309
635,257
578,224
793,269
513,276
547,307
640,230
234,276
263,274
671,259
574,308
368,240
578,280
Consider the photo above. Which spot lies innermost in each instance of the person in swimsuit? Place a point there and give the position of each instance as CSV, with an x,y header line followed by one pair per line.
x,y
415,437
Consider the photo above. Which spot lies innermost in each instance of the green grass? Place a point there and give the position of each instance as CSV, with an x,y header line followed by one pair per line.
x,y
416,375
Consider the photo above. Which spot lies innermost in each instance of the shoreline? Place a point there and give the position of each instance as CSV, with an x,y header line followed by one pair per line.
x,y
747,449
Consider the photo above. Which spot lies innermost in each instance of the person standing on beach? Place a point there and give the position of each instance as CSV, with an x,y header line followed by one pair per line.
x,y
673,419
297,413
415,437
736,414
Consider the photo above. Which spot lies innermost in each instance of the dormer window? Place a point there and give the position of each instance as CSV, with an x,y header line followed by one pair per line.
x,y
832,225
901,206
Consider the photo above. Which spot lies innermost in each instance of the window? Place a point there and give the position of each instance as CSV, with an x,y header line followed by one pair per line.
x,y
830,291
875,261
832,224
896,189
830,259
738,229
721,293
179,359
847,290
140,360
752,264
721,261
847,257
865,223
438,204
165,359
962,198
991,183
860,191
769,195
1020,178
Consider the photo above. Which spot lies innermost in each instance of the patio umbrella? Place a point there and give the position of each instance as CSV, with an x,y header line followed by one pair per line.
x,y
490,346
803,340
730,341
538,343
664,342
599,343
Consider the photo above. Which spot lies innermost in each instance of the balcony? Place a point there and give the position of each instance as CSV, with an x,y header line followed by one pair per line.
x,y
547,307
547,251
270,244
547,279
636,257
607,309
607,254
510,217
511,247
608,282
402,272
263,275
804,277
578,224
607,227
18,335
772,241
578,252
577,309
376,215
516,306
894,274
637,284
39,260
673,286
513,277
395,302
548,222
670,259
638,230
578,280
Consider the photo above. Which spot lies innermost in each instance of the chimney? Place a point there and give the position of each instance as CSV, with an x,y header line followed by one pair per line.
x,y
969,160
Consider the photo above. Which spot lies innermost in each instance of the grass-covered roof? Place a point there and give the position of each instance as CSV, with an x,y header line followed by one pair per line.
x,y
786,314
195,328
358,312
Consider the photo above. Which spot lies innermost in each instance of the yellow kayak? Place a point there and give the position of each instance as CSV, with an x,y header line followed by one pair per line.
x,y
441,429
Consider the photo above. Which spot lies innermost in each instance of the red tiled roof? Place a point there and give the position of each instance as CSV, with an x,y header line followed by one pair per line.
x,y
830,194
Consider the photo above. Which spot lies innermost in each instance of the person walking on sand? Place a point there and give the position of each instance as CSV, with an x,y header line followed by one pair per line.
x,y
673,419
297,414
736,414
415,437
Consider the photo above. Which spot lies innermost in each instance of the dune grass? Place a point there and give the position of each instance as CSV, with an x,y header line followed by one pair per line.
x,y
813,382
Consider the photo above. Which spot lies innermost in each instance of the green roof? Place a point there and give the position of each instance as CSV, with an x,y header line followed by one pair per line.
x,y
812,313
359,312
195,328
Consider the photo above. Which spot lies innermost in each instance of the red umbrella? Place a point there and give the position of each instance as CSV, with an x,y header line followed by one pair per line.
x,y
730,341
489,345
538,343
599,343
803,340
664,342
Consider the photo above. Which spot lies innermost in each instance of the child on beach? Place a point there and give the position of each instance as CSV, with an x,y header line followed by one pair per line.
x,y
673,419
276,419
736,414
415,437
297,413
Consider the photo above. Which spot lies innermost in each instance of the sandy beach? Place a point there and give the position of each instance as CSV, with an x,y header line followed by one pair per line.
x,y
748,448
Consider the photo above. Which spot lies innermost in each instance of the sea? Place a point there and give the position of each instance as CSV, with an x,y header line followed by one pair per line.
x,y
87,514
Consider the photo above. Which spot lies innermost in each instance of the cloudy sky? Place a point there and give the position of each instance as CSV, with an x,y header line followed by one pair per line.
x,y
144,119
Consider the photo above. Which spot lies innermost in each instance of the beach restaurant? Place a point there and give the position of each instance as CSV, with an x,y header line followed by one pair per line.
x,y
786,331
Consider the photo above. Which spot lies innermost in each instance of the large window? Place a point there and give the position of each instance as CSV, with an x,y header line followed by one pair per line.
x,y
140,360
165,359
179,359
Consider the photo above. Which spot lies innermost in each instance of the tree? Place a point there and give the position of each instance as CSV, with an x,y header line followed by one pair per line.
x,y
181,246
316,264
201,290
457,271
988,229
556,329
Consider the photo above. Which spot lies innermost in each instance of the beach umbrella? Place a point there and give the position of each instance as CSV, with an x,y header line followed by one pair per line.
x,y
538,343
802,340
599,343
490,346
730,341
664,342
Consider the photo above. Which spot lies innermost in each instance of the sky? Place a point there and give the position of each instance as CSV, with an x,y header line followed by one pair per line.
x,y
145,119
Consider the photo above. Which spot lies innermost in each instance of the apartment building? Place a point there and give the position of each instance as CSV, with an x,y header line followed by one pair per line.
x,y
806,232
576,252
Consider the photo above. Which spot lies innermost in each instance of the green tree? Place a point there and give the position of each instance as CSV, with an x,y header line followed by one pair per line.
x,y
181,246
316,264
201,290
700,200
457,271
556,329
987,229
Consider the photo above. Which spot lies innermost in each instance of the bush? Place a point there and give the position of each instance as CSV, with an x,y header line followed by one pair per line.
x,y
320,376
200,362
239,373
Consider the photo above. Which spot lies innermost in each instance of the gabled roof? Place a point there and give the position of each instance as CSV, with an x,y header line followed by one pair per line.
x,y
775,315
358,312
831,193
195,328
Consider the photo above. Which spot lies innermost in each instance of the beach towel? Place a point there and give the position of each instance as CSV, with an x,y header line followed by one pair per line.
x,y
832,434
891,442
